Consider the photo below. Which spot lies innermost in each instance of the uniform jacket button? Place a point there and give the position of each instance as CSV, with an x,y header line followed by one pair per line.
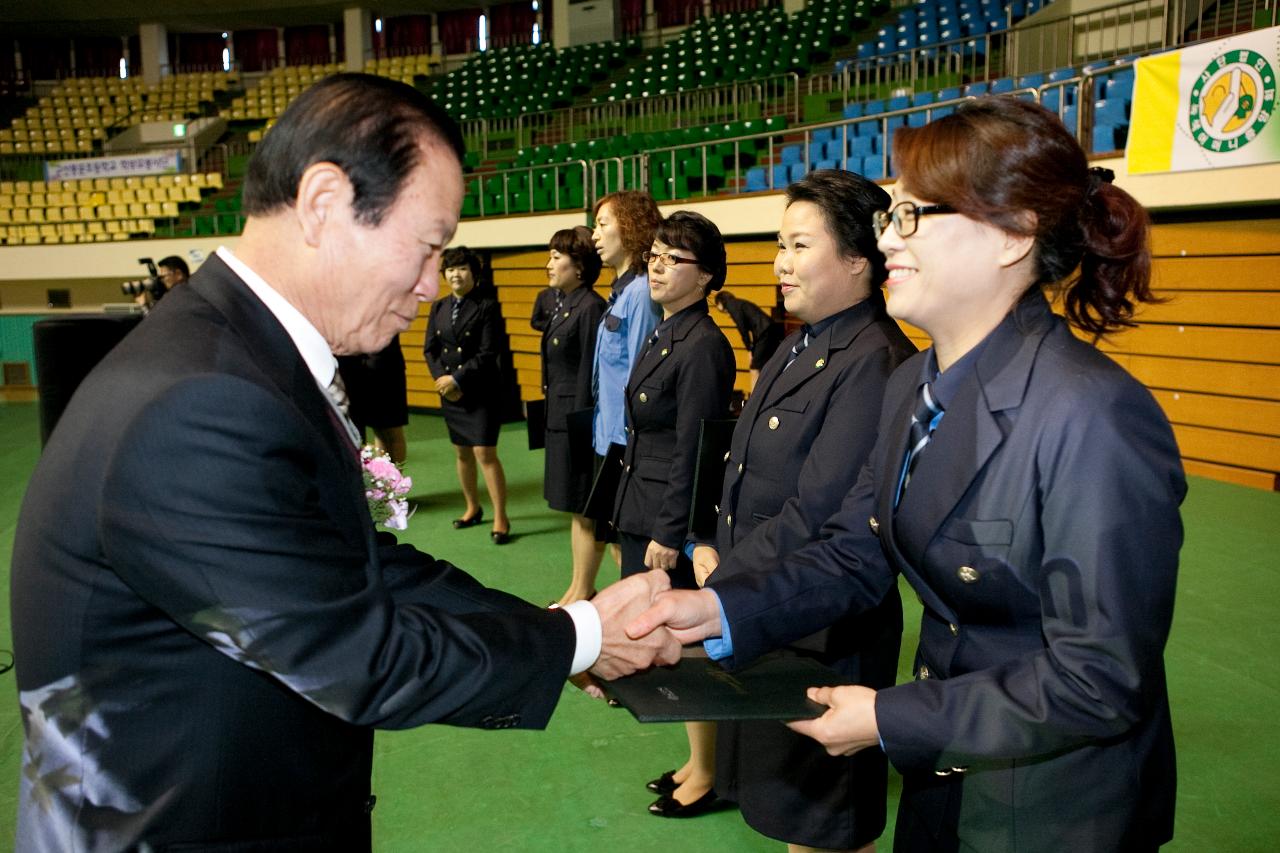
x,y
874,524
820,363
923,672
728,520
968,574
955,629
727,454
644,398
773,422
555,342
739,467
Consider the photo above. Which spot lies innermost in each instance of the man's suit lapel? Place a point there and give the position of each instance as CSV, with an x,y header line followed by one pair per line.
x,y
273,350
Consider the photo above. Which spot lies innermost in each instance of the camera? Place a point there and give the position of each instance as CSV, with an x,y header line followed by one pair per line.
x,y
151,285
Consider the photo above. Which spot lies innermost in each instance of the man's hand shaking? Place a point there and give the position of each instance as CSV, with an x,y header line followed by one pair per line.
x,y
622,653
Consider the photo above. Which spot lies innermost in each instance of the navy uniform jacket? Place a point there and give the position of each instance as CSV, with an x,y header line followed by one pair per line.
x,y
676,383
802,437
1041,532
468,350
543,307
568,346
207,626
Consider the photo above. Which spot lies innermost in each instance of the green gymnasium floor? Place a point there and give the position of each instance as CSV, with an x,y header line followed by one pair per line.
x,y
579,785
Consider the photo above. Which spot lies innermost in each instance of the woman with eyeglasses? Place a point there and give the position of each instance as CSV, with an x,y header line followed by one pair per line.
x,y
1025,485
684,374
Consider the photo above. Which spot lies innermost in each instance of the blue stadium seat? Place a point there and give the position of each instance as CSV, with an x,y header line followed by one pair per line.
x,y
780,175
921,98
976,89
948,94
872,108
899,103
833,150
757,179
918,119
824,134
796,172
826,164
1060,74
852,111
816,151
792,154
873,168
1030,81
862,147
1001,86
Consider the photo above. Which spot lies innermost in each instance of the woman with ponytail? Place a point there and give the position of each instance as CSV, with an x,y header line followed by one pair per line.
x,y
1025,485
1028,488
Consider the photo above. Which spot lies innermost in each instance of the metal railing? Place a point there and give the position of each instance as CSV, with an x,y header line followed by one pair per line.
x,y
1034,45
708,105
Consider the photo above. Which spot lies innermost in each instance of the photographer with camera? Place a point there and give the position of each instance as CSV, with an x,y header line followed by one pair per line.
x,y
146,292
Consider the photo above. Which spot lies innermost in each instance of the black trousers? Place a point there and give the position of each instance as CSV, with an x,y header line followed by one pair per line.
x,y
633,548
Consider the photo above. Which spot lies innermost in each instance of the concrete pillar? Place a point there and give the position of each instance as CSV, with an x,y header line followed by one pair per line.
x,y
586,21
356,26
153,41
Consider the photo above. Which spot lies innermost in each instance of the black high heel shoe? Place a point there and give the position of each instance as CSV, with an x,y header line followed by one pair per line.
x,y
669,806
664,784
500,537
459,523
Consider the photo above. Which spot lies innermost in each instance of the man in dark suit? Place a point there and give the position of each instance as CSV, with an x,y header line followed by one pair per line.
x,y
207,626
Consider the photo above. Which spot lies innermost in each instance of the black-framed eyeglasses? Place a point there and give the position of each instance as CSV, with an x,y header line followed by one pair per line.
x,y
905,216
668,259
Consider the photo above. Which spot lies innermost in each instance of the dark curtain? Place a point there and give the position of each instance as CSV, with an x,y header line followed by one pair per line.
x,y
135,55
632,12
724,7
675,12
407,35
8,62
256,50
196,51
458,30
45,58
511,23
98,57
307,45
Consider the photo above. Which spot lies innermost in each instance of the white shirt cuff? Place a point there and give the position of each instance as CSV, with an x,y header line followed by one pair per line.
x,y
586,621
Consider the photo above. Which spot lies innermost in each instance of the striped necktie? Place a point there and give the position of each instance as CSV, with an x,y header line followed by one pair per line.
x,y
453,310
798,348
924,420
337,394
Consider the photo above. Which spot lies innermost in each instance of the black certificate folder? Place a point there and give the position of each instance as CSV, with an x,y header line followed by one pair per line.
x,y
700,689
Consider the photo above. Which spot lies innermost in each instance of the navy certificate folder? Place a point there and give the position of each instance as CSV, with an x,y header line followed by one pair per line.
x,y
697,688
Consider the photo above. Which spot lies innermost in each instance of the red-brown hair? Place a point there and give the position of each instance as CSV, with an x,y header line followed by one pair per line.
x,y
638,219
997,159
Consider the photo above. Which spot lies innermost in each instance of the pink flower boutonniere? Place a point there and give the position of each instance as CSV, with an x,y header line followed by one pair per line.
x,y
385,487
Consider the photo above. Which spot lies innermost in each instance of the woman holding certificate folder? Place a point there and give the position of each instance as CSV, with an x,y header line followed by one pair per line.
x,y
684,374
1027,488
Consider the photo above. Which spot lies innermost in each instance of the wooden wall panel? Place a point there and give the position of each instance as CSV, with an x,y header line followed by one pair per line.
x,y
1210,353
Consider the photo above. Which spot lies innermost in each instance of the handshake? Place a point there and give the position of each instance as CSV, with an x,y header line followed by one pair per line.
x,y
644,622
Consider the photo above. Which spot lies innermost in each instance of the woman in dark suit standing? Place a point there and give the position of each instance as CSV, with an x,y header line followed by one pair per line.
x,y
463,341
685,374
568,347
796,451
1026,486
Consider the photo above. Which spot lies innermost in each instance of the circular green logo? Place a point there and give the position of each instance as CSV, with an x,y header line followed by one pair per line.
x,y
1232,100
